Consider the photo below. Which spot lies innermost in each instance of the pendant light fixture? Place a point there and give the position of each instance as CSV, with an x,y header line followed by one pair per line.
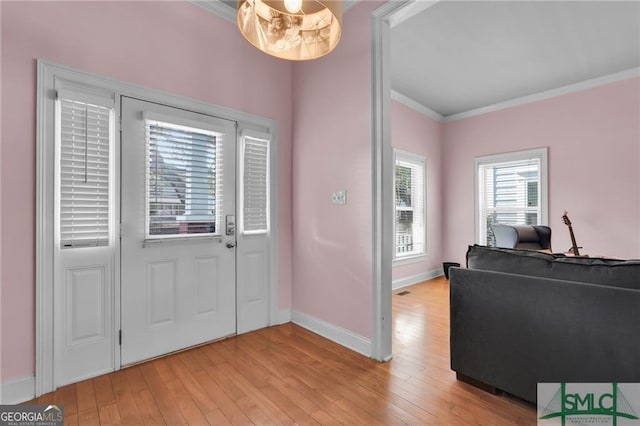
x,y
296,30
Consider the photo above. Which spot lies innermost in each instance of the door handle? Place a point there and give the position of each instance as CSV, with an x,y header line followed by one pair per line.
x,y
231,244
230,225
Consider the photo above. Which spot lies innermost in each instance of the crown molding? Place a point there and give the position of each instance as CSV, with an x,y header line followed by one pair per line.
x,y
348,4
409,11
228,13
564,90
416,106
217,7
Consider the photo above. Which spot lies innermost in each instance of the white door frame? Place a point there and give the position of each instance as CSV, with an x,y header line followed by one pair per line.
x,y
383,19
48,74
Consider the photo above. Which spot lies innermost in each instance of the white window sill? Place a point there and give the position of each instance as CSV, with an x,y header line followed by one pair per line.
x,y
409,259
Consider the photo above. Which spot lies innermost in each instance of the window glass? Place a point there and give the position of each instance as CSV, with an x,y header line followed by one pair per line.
x,y
409,205
84,133
255,185
183,178
508,192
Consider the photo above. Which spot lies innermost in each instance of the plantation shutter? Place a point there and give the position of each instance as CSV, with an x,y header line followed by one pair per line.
x,y
184,179
508,194
409,205
255,185
84,126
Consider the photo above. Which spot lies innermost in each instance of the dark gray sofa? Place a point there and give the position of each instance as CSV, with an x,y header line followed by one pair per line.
x,y
523,317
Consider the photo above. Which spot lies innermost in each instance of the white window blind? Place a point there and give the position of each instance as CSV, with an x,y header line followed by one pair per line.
x,y
255,185
410,232
509,192
84,136
184,180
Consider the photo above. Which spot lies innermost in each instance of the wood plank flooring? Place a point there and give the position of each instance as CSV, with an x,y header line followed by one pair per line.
x,y
288,375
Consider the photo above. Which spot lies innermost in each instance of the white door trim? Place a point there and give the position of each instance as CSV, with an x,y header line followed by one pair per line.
x,y
47,74
382,20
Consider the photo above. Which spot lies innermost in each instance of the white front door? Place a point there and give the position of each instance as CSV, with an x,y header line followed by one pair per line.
x,y
177,244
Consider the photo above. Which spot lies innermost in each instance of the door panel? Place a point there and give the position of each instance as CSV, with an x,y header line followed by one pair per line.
x,y
84,346
207,285
253,285
178,275
257,281
161,292
85,297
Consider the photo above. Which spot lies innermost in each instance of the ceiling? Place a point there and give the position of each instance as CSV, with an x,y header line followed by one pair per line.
x,y
457,56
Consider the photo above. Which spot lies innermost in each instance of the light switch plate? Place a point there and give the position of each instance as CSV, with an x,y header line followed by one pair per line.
x,y
339,197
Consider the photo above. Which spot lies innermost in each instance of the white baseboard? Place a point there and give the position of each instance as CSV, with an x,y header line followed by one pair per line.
x,y
284,316
18,390
415,279
333,332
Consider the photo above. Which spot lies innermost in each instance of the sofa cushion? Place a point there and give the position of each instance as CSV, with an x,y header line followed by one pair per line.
x,y
617,273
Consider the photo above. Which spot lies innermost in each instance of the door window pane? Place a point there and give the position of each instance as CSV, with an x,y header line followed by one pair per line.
x,y
183,180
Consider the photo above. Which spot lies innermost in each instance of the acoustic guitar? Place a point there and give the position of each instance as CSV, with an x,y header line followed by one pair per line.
x,y
574,246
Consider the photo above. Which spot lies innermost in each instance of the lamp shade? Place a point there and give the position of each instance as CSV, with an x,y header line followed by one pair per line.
x,y
296,30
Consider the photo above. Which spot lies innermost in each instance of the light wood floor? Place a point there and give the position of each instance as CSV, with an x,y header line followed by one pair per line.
x,y
287,375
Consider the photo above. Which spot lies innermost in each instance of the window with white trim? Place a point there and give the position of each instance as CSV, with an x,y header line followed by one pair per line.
x,y
409,182
184,180
510,189
254,185
84,131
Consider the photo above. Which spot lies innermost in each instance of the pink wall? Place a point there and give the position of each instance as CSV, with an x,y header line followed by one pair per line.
x,y
332,151
172,46
416,133
593,138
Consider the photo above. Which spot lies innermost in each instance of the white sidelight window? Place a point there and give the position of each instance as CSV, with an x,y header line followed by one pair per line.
x,y
409,182
184,180
84,211
254,184
510,189
84,129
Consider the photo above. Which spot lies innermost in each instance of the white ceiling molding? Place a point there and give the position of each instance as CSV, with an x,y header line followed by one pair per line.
x,y
226,11
409,11
565,90
348,4
219,8
416,106
571,88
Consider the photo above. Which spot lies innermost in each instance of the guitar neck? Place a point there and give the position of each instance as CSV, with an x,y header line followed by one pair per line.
x,y
573,242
